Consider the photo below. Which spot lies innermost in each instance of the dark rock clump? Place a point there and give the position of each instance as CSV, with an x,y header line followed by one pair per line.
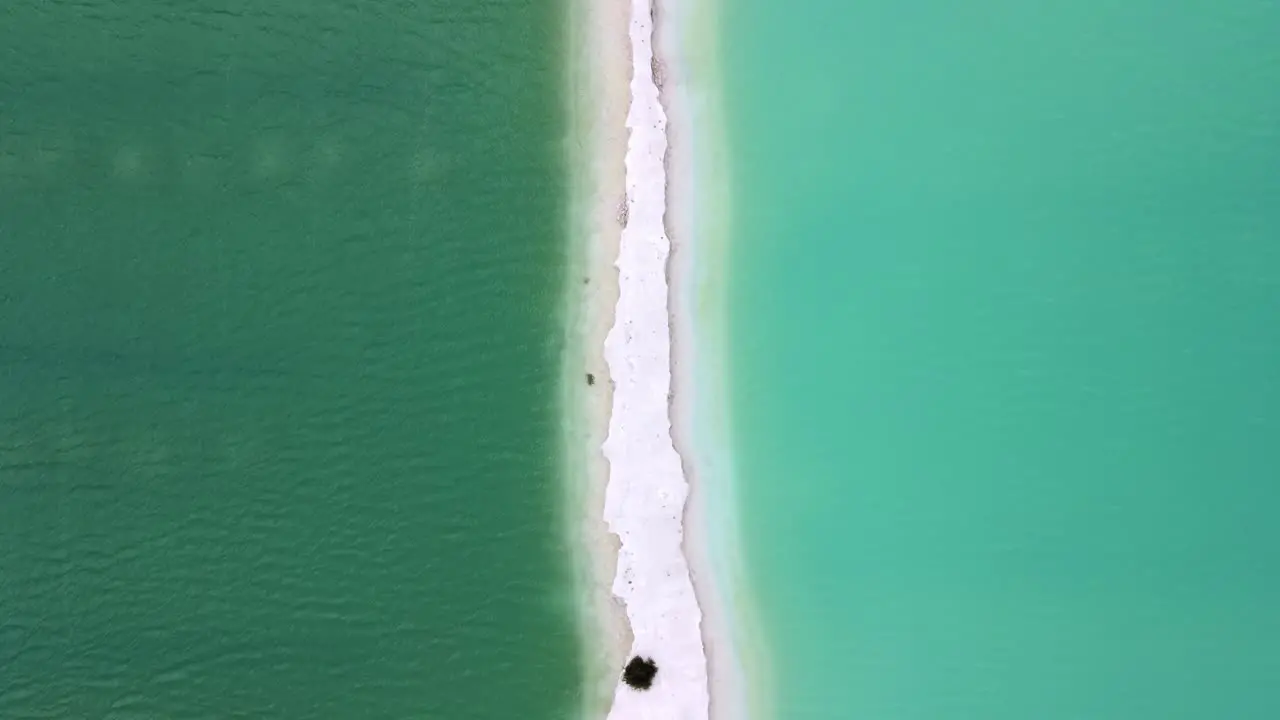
x,y
639,673
591,379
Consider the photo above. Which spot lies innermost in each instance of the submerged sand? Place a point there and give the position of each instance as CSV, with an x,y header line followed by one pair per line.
x,y
599,97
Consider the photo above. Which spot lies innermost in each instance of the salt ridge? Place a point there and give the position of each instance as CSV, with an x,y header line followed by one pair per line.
x,y
647,489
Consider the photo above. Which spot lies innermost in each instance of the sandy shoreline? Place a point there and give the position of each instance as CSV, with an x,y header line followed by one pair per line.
x,y
644,548
599,72
697,218
647,489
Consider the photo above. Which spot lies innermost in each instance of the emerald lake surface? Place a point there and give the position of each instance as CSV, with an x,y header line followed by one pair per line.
x,y
1004,297
279,292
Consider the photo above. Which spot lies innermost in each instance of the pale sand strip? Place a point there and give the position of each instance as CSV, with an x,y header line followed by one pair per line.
x,y
647,489
611,41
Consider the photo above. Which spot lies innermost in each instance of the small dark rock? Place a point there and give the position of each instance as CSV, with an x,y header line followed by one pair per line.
x,y
591,379
639,673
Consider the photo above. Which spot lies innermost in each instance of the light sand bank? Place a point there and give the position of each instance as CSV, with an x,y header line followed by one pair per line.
x,y
627,107
647,489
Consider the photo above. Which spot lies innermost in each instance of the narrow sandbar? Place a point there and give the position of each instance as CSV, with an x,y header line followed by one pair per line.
x,y
639,536
647,488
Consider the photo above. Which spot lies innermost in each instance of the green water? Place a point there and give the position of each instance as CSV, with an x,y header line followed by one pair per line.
x,y
279,292
1004,298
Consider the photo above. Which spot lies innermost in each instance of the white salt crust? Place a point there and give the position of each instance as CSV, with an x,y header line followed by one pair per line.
x,y
647,490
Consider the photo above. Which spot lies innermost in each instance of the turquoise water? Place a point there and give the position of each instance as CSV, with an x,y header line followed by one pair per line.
x,y
278,381
1004,340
